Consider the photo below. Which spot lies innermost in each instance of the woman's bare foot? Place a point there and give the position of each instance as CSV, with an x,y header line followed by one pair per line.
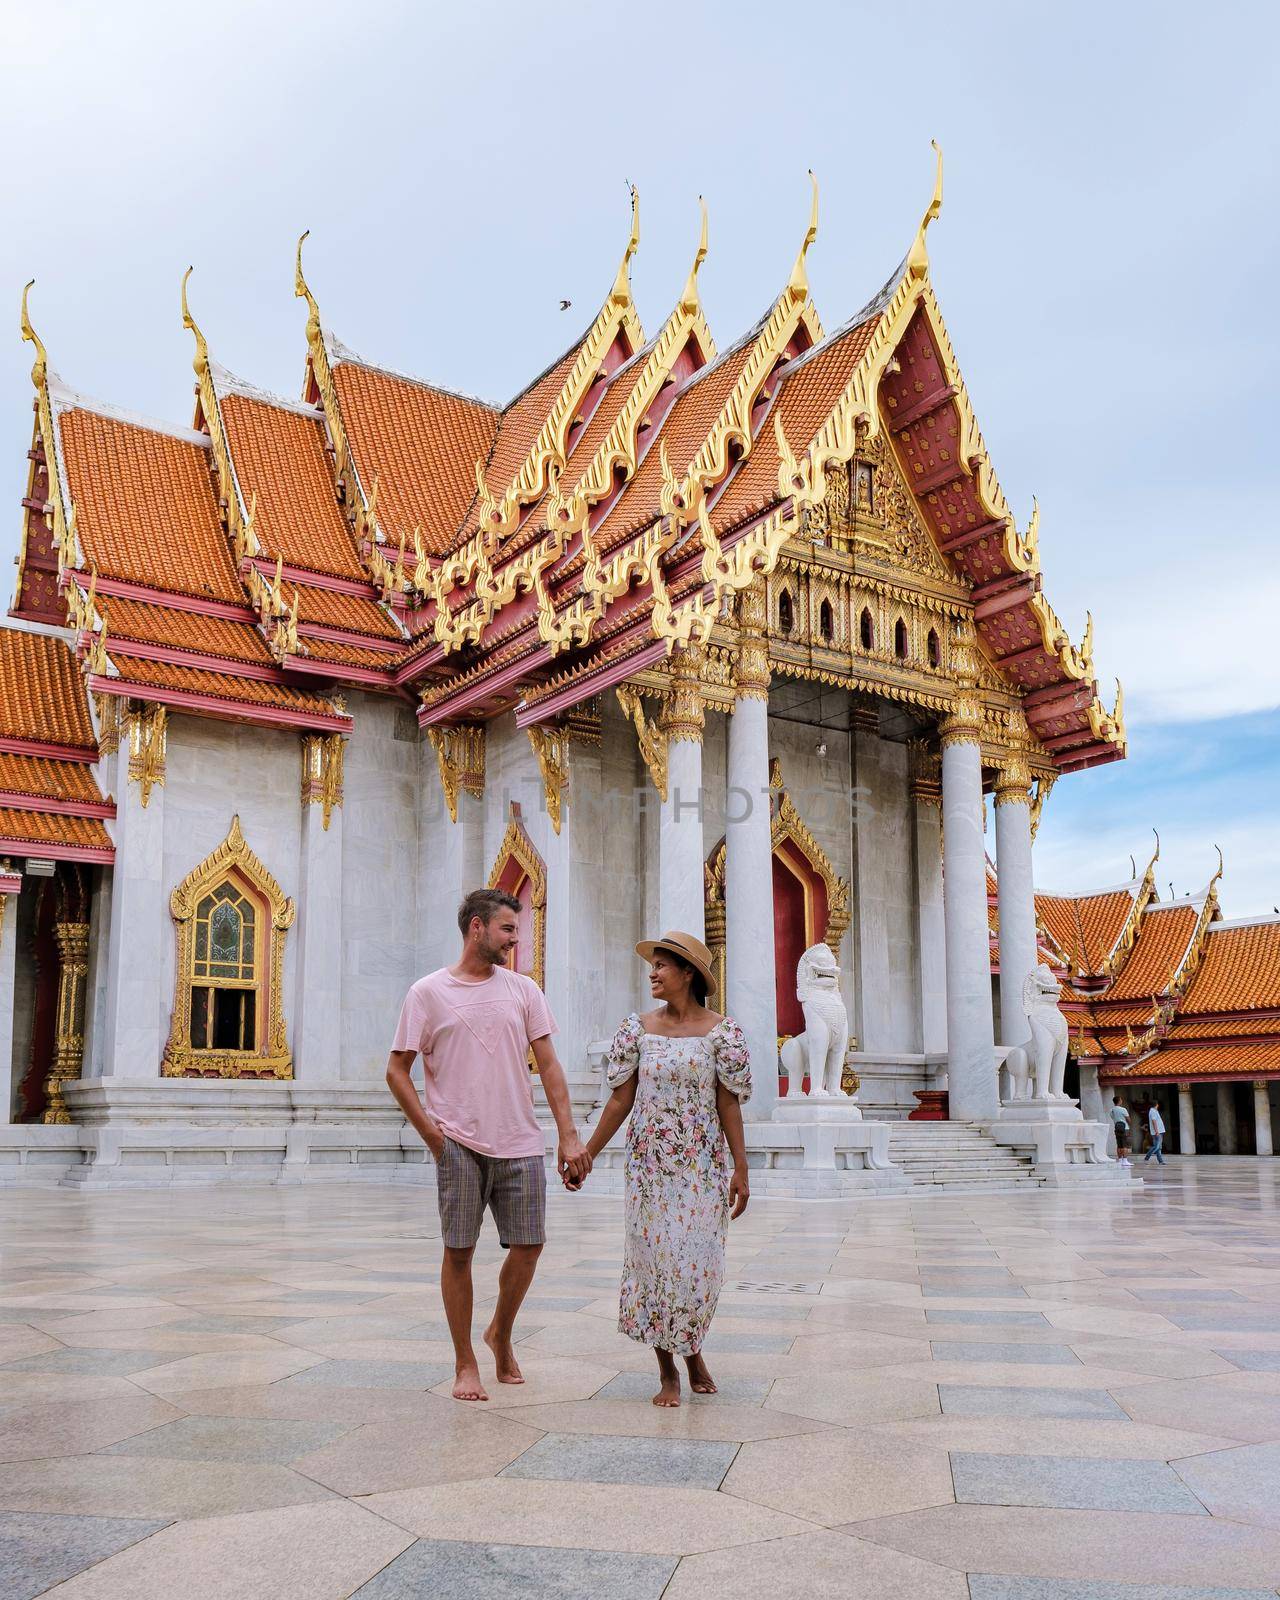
x,y
700,1380
668,1394
504,1358
467,1385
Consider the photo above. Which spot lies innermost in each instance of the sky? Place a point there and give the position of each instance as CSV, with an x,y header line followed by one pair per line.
x,y
1106,261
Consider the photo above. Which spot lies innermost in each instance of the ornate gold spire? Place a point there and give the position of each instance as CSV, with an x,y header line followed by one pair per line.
x,y
798,283
689,301
201,362
302,292
621,294
40,368
918,255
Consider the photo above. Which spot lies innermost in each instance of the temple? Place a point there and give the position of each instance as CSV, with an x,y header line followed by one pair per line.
x,y
1168,1002
729,640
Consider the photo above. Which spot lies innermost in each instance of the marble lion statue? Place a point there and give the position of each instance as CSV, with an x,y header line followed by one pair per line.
x,y
819,1051
1044,1055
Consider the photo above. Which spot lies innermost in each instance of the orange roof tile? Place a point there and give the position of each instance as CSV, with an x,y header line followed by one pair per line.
x,y
219,685
350,655
279,456
331,609
1240,972
423,443
809,393
1229,1059
1164,935
42,694
145,506
51,827
684,430
51,780
518,428
181,630
1222,1027
1085,927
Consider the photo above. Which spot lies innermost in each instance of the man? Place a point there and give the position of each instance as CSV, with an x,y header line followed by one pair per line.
x,y
474,1024
1120,1119
1155,1127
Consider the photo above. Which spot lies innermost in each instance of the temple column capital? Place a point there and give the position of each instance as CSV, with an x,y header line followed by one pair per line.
x,y
684,716
751,674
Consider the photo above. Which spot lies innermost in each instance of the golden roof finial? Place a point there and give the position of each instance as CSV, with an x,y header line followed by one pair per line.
x,y
918,255
622,283
1031,538
1117,711
1217,877
40,368
201,362
798,284
302,292
1086,644
689,299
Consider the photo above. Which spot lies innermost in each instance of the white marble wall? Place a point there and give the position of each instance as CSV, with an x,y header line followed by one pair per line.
x,y
889,1006
384,781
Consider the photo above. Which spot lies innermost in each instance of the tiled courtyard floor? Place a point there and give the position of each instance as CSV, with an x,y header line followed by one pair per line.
x,y
1025,1397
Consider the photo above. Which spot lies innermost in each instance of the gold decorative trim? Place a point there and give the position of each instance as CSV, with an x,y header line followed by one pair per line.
x,y
145,726
108,707
652,737
518,847
965,723
1044,788
72,939
460,753
322,756
751,674
684,716
233,858
551,747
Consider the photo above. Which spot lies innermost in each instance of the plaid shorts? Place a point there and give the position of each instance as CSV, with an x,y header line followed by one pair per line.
x,y
513,1188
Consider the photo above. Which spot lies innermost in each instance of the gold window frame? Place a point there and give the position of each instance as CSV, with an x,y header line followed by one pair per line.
x,y
233,861
517,846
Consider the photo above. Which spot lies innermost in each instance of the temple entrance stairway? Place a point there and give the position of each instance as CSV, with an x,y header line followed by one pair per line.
x,y
958,1158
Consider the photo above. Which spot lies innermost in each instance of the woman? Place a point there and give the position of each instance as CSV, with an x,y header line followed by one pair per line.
x,y
680,1072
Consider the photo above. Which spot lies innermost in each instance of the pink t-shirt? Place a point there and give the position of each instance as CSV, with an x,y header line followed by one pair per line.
x,y
474,1039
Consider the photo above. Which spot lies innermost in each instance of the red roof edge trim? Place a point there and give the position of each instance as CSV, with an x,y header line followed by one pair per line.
x,y
15,800
52,752
225,610
316,580
229,666
341,672
363,641
229,710
591,684
10,883
56,852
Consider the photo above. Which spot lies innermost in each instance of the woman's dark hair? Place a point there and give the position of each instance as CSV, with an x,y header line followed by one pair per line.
x,y
698,985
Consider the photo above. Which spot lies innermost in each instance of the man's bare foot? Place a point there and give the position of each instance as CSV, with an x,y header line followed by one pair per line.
x,y
468,1385
700,1380
668,1394
504,1358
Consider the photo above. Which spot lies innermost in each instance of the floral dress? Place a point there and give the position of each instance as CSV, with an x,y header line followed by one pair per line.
x,y
677,1179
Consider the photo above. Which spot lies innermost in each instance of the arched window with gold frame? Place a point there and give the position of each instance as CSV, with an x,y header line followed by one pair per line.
x,y
520,871
230,917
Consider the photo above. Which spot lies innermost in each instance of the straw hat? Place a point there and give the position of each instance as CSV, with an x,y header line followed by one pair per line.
x,y
687,947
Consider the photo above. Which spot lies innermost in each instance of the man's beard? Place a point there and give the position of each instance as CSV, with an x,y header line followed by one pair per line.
x,y
492,954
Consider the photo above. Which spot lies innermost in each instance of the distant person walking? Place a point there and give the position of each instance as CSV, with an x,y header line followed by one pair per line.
x,y
1155,1127
1120,1119
474,1024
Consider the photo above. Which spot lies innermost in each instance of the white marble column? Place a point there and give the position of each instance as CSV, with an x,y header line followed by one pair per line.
x,y
8,957
1018,957
316,1023
926,792
1263,1144
750,983
972,1082
681,894
1228,1136
136,1024
1186,1121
